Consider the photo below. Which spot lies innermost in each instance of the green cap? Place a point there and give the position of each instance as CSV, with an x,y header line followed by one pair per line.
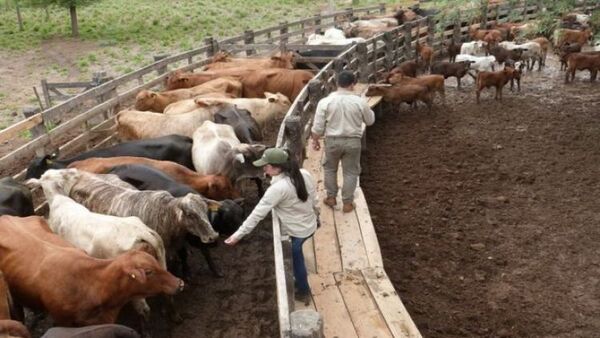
x,y
272,156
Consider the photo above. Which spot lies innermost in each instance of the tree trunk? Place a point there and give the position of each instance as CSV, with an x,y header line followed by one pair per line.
x,y
19,19
74,26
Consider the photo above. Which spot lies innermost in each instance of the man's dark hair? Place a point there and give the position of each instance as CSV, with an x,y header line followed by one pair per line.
x,y
345,79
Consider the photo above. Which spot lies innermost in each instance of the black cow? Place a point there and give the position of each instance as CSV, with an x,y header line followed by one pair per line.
x,y
225,220
15,198
245,126
175,148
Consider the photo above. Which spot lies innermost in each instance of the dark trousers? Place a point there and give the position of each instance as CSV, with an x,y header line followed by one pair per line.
x,y
300,274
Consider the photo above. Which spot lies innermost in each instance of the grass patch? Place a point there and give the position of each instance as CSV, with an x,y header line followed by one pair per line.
x,y
25,134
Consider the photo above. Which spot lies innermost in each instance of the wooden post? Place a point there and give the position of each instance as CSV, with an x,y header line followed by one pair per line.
x,y
338,66
283,30
484,13
318,23
430,31
388,39
249,39
363,62
456,30
38,130
286,247
162,69
293,135
46,93
525,5
211,50
19,18
497,14
408,40
382,8
350,13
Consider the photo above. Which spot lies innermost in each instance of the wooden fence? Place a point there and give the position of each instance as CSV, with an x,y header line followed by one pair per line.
x,y
376,55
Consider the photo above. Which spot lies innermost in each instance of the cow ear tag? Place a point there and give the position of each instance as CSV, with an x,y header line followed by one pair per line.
x,y
133,275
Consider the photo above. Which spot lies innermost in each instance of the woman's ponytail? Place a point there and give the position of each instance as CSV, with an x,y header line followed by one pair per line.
x,y
292,169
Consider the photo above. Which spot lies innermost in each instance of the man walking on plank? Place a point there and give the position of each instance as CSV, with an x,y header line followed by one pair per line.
x,y
339,118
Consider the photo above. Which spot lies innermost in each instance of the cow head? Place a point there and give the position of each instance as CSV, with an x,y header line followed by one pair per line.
x,y
15,199
243,156
193,214
178,80
39,165
226,216
283,60
142,275
279,100
220,188
145,99
244,125
56,181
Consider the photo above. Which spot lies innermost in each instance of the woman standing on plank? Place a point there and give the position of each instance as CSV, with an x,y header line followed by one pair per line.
x,y
292,196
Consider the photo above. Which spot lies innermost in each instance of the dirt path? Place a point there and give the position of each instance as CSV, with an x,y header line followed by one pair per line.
x,y
488,215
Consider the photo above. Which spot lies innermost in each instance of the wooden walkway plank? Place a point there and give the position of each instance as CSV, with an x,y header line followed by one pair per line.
x,y
327,249
330,304
352,248
362,308
389,303
308,249
368,230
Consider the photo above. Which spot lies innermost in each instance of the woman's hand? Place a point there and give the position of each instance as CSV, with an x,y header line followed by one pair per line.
x,y
231,241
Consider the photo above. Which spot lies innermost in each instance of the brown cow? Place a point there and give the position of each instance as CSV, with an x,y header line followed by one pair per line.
x,y
435,83
178,79
581,61
215,187
397,94
13,329
44,272
545,44
574,36
494,79
425,54
285,81
281,60
147,100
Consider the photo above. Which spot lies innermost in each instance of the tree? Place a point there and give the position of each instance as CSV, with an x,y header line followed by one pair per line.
x,y
71,5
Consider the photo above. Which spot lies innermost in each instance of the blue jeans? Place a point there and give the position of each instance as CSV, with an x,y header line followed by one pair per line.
x,y
300,274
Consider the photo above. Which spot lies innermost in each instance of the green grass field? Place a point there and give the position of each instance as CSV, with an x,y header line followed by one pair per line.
x,y
157,24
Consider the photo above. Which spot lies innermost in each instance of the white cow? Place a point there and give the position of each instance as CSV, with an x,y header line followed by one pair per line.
x,y
532,52
479,63
262,110
473,47
100,236
217,151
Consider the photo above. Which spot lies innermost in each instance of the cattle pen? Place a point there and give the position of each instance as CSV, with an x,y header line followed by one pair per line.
x,y
351,290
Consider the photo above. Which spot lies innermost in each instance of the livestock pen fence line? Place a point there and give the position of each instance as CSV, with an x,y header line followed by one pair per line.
x,y
376,55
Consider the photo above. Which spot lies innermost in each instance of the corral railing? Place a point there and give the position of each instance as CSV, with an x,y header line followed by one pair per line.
x,y
367,60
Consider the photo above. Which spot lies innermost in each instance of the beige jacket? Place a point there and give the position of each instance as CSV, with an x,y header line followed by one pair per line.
x,y
341,114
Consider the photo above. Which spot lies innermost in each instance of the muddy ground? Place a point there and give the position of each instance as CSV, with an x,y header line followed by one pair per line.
x,y
487,215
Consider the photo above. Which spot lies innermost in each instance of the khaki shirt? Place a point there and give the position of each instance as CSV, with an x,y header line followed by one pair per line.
x,y
298,219
341,114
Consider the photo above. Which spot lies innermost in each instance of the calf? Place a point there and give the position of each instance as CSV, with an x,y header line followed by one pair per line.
x,y
453,50
532,52
473,48
545,45
15,198
425,54
397,94
581,61
447,69
502,54
174,148
564,52
211,186
408,68
494,79
45,272
574,36
435,83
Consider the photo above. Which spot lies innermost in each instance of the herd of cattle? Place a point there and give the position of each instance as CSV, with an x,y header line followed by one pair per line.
x,y
120,216
490,49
